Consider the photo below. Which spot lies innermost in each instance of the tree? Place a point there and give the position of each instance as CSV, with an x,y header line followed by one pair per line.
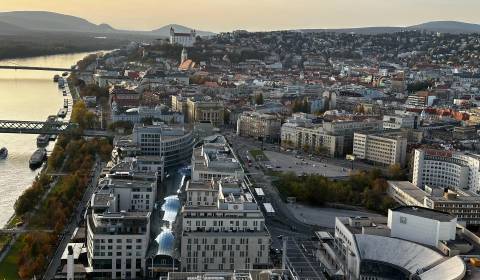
x,y
395,172
259,99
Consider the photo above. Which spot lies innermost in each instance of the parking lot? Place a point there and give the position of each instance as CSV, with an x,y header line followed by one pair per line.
x,y
301,259
290,163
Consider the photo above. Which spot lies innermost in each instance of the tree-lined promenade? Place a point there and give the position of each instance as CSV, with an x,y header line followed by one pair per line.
x,y
50,201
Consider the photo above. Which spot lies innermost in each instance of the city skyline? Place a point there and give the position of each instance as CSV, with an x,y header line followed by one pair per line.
x,y
263,15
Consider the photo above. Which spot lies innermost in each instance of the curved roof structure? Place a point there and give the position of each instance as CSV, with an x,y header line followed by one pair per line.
x,y
165,242
386,249
453,268
413,258
171,206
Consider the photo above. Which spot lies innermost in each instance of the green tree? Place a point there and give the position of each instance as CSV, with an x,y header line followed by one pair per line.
x,y
259,99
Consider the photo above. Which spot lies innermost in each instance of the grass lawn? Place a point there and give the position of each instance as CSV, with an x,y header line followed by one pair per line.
x,y
258,155
9,267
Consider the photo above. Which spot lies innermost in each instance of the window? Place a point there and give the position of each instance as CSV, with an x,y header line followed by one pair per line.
x,y
403,220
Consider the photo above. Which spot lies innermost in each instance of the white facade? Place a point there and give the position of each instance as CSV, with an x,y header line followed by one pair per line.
x,y
215,160
223,228
158,114
384,149
401,120
183,39
444,169
421,225
300,132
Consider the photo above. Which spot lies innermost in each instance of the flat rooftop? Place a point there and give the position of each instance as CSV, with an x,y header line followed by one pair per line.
x,y
425,213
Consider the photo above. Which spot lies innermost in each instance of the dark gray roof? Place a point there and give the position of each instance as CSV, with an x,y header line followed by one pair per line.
x,y
425,213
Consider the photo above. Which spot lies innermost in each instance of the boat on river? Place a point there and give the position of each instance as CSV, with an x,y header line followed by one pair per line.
x,y
37,158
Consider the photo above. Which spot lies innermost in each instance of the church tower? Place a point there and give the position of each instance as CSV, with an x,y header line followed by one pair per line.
x,y
184,56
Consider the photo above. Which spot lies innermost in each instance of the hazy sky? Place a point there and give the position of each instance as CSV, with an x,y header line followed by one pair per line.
x,y
256,15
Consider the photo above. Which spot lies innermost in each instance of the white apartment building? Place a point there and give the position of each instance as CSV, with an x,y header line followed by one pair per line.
x,y
215,160
443,169
300,132
223,228
400,120
385,149
131,195
118,229
258,125
172,143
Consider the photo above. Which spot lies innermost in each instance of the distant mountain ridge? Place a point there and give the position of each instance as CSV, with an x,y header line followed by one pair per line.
x,y
454,27
24,21
55,22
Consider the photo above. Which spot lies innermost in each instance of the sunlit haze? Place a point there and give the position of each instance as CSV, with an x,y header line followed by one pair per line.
x,y
256,15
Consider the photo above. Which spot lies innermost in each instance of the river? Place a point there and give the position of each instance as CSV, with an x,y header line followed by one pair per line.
x,y
26,95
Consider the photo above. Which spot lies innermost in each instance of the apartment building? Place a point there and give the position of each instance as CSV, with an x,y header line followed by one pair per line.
x,y
384,149
173,143
215,160
223,228
203,110
333,138
259,126
118,228
446,169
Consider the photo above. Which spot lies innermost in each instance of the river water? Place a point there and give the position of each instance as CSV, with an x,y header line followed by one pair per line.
x,y
26,95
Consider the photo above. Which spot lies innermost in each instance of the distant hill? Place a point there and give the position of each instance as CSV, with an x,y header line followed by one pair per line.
x,y
47,21
54,22
447,27
165,30
433,26
9,29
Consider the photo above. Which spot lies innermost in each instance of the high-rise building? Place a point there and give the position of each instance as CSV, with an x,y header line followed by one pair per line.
x,y
444,169
118,228
384,149
223,228
172,143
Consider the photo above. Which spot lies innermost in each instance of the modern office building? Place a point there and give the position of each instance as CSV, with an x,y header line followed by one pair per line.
x,y
118,228
463,204
215,160
446,169
385,149
172,143
259,126
223,228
